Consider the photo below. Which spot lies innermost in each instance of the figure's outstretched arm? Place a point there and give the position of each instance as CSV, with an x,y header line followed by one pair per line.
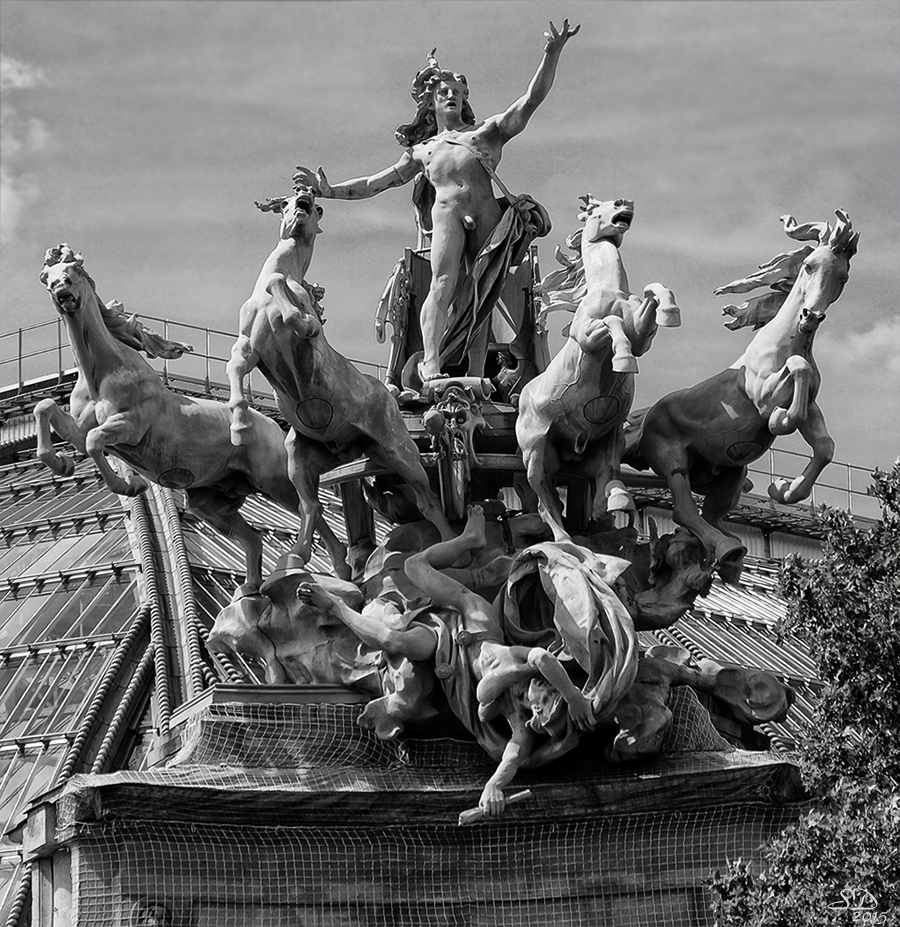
x,y
415,643
360,187
516,117
519,748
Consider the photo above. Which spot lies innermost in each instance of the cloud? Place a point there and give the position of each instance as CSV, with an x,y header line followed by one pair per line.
x,y
20,140
877,349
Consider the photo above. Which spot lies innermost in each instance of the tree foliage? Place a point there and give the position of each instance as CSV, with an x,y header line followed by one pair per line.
x,y
840,864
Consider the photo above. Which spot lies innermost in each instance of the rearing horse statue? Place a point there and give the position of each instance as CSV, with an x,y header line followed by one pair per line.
x,y
574,410
701,439
335,413
120,406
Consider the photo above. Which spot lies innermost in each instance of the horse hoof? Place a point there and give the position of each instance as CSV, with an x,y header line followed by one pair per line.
x,y
729,551
66,465
625,364
668,316
618,498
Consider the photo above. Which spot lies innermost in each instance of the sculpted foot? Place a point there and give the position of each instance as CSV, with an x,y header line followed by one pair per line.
x,y
473,533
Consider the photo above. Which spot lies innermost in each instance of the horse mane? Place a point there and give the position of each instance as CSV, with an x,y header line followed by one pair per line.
x,y
566,287
781,272
123,327
127,329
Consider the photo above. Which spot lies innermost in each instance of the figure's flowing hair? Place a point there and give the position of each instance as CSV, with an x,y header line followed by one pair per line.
x,y
424,124
123,327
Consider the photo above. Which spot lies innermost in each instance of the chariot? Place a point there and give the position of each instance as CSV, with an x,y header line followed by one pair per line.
x,y
464,426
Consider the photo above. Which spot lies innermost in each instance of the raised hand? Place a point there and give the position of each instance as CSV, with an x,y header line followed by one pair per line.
x,y
304,177
556,39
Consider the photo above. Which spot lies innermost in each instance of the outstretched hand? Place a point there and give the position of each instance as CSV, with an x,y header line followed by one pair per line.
x,y
556,39
313,594
304,177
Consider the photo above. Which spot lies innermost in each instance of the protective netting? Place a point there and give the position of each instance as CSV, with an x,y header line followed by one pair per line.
x,y
635,871
273,815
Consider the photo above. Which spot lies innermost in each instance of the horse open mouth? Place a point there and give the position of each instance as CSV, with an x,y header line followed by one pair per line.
x,y
66,301
623,218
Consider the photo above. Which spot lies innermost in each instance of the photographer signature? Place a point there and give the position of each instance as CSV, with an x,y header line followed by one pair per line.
x,y
861,903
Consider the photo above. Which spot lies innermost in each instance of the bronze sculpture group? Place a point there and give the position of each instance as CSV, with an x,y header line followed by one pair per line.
x,y
521,624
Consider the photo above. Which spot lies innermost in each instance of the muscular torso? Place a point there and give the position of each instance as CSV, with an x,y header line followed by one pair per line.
x,y
454,171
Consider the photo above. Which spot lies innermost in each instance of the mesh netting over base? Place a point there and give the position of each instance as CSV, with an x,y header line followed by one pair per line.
x,y
633,871
277,815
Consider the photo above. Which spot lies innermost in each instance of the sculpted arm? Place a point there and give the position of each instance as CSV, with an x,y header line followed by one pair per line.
x,y
519,748
516,117
360,187
554,672
415,643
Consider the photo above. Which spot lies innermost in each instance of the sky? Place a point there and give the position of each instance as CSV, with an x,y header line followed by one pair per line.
x,y
141,132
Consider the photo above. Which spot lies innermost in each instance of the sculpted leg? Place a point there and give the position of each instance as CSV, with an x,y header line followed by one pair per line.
x,y
115,430
425,568
623,359
786,421
221,511
602,467
48,414
722,495
306,462
447,246
816,435
243,359
402,457
666,313
541,466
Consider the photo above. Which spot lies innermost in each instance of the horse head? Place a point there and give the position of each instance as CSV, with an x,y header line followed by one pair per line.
x,y
815,273
72,289
825,270
299,215
64,276
609,219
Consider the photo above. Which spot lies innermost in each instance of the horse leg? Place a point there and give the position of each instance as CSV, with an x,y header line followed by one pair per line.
x,y
115,430
307,461
603,468
816,436
666,311
48,415
337,550
221,511
623,359
243,359
541,465
785,421
403,458
722,495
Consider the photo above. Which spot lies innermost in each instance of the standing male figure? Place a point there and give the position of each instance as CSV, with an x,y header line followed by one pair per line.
x,y
457,157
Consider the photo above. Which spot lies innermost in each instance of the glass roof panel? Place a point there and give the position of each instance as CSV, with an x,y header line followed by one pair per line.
x,y
87,607
34,692
65,500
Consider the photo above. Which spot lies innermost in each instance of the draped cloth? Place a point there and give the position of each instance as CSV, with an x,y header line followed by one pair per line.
x,y
559,597
453,660
522,221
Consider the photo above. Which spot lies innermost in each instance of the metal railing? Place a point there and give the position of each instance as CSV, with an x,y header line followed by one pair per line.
x,y
24,354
